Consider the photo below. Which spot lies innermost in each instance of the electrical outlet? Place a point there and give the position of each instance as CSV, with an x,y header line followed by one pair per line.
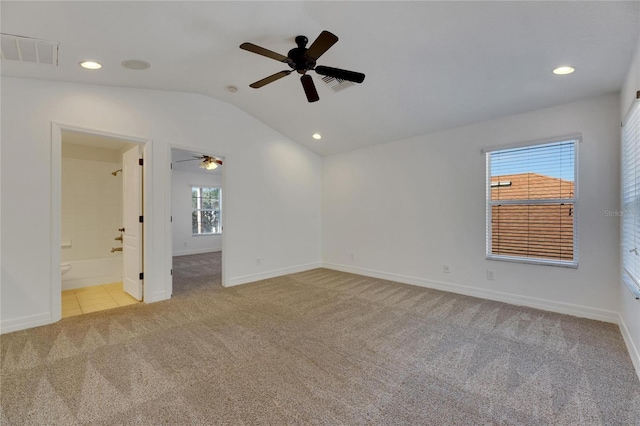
x,y
185,243
258,261
446,269
351,256
491,274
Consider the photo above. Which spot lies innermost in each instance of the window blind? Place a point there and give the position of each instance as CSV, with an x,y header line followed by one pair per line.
x,y
631,199
531,203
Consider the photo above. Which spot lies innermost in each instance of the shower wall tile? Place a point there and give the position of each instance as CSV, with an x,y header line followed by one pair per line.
x,y
91,208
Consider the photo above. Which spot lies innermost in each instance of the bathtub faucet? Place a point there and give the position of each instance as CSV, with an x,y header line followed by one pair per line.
x,y
115,249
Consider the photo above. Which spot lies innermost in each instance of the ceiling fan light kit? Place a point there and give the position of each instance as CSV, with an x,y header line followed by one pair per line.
x,y
302,59
208,165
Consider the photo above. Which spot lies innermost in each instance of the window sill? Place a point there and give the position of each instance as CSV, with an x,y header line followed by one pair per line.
x,y
206,235
532,261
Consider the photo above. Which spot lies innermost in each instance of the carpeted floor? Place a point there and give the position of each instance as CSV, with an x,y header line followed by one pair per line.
x,y
318,347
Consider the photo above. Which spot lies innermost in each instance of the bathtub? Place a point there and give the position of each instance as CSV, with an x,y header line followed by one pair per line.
x,y
85,273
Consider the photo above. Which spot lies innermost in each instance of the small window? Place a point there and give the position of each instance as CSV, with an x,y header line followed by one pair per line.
x,y
206,208
532,202
630,213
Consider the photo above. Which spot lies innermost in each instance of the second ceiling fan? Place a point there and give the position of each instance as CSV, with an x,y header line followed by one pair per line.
x,y
209,162
303,59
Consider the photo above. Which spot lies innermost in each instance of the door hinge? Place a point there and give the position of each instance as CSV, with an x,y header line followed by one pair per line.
x,y
140,161
171,166
171,219
141,219
172,272
142,275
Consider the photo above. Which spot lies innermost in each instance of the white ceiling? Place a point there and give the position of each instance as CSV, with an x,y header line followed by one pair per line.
x,y
429,65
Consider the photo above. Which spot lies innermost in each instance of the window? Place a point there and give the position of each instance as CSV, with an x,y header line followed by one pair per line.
x,y
531,203
205,204
630,213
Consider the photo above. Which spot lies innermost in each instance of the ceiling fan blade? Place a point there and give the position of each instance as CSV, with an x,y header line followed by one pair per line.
x,y
258,84
324,41
356,77
309,88
190,159
264,52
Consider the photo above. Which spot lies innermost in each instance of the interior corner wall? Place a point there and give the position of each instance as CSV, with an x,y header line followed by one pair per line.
x,y
630,307
404,209
273,185
183,241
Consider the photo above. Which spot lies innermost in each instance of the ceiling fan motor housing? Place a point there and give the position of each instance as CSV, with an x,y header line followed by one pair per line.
x,y
301,62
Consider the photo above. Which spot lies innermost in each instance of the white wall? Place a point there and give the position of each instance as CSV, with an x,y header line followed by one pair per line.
x,y
406,208
91,209
272,212
629,307
184,242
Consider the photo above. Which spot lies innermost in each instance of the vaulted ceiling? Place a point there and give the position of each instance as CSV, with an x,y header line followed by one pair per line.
x,y
429,65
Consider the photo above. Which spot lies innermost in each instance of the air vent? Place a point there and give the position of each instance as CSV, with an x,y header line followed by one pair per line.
x,y
336,84
25,49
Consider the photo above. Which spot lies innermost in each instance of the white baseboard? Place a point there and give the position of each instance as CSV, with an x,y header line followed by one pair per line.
x,y
196,251
272,274
22,323
631,347
514,299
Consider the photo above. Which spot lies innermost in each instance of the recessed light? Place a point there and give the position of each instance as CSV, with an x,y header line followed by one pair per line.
x,y
232,89
90,65
563,70
135,64
317,136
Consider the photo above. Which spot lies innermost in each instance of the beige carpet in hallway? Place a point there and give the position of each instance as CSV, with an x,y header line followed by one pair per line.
x,y
318,347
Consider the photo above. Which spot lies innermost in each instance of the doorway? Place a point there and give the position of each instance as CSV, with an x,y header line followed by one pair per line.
x,y
197,214
96,191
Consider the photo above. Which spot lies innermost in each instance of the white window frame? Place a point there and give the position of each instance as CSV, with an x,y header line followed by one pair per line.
x,y
200,187
630,178
577,138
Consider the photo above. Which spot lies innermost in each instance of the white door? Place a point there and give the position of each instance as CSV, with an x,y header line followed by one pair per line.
x,y
131,212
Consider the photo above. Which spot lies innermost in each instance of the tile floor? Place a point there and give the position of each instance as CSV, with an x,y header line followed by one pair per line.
x,y
96,298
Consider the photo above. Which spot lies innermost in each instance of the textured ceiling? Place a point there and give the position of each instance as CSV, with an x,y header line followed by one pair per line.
x,y
429,65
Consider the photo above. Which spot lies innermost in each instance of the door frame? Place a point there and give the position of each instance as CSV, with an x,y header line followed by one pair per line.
x,y
56,205
169,206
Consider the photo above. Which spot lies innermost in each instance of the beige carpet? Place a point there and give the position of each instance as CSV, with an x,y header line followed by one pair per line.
x,y
318,347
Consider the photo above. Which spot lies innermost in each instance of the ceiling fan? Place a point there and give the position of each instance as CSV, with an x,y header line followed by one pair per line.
x,y
303,59
208,162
